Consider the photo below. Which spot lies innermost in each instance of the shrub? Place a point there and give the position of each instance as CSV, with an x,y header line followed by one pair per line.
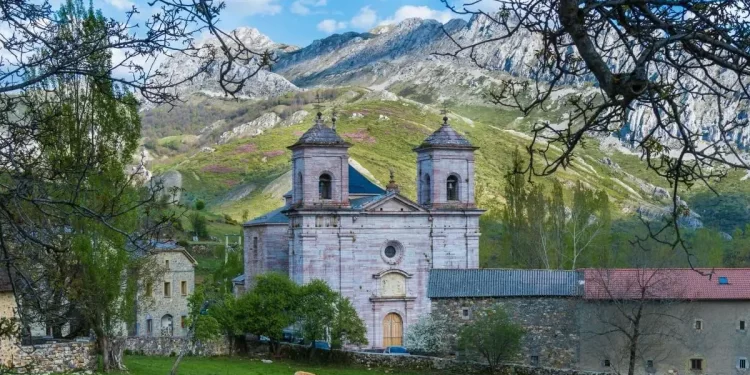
x,y
430,336
493,336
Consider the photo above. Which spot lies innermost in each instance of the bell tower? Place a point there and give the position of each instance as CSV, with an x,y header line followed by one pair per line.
x,y
445,170
320,168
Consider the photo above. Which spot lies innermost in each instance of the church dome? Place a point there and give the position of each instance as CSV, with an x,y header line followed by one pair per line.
x,y
320,135
445,137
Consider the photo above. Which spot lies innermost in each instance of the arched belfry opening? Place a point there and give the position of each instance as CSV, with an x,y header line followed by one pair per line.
x,y
325,186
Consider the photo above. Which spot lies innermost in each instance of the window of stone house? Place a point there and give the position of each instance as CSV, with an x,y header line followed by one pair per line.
x,y
451,188
534,360
696,364
465,313
149,327
183,288
607,363
166,264
149,289
742,325
182,321
742,363
255,244
698,325
324,186
167,289
650,363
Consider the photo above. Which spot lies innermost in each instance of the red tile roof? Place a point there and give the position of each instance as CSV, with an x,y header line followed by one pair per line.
x,y
671,283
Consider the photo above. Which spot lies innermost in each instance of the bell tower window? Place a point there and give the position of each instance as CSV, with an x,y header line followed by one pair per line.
x,y
324,186
452,188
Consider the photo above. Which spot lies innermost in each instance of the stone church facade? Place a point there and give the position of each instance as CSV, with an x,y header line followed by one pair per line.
x,y
373,245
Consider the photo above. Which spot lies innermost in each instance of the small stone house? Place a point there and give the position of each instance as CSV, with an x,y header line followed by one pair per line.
x,y
542,301
7,311
162,305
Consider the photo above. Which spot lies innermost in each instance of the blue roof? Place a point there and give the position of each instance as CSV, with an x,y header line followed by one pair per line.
x,y
469,283
359,184
359,203
273,217
240,279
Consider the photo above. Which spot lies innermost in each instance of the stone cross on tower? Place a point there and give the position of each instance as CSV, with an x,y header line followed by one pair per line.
x,y
444,112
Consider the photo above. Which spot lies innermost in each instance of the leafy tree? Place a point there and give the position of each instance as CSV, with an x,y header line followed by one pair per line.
x,y
69,131
556,224
514,214
245,214
317,310
270,306
201,325
589,223
348,327
87,120
198,222
493,336
200,205
325,313
429,335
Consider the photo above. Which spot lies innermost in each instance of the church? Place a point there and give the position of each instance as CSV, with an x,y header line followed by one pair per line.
x,y
372,245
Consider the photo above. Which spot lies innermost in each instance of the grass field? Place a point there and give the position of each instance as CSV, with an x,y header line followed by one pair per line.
x,y
140,365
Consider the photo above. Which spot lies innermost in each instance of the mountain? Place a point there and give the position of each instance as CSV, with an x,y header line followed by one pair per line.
x,y
264,84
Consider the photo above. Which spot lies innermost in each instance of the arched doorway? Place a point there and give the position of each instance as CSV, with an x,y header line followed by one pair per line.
x,y
393,330
166,325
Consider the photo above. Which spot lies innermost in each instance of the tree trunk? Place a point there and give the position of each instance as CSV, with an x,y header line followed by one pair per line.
x,y
634,340
111,353
176,364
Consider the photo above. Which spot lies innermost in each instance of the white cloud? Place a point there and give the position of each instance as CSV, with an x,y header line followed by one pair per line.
x,y
302,7
330,26
251,7
423,12
121,4
365,19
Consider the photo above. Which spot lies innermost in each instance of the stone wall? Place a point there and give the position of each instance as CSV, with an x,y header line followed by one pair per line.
x,y
421,363
7,311
167,346
55,358
550,323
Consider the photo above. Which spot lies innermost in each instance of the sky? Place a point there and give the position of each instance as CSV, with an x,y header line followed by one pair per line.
x,y
299,22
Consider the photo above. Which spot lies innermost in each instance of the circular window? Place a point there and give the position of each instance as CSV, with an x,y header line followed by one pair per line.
x,y
392,252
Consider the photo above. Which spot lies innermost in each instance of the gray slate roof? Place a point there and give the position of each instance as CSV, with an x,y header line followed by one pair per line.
x,y
468,283
240,279
273,217
320,135
446,136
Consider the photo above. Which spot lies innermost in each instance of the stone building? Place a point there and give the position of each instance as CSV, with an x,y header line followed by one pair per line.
x,y
162,304
688,322
691,323
373,245
544,302
7,311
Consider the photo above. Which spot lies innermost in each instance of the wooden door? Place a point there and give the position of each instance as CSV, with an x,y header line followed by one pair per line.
x,y
393,330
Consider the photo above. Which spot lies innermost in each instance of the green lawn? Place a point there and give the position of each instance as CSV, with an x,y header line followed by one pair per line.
x,y
140,365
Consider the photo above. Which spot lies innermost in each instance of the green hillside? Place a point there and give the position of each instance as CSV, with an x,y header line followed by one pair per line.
x,y
248,176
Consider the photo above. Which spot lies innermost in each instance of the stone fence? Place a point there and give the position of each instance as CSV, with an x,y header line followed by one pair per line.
x,y
170,346
61,357
420,363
